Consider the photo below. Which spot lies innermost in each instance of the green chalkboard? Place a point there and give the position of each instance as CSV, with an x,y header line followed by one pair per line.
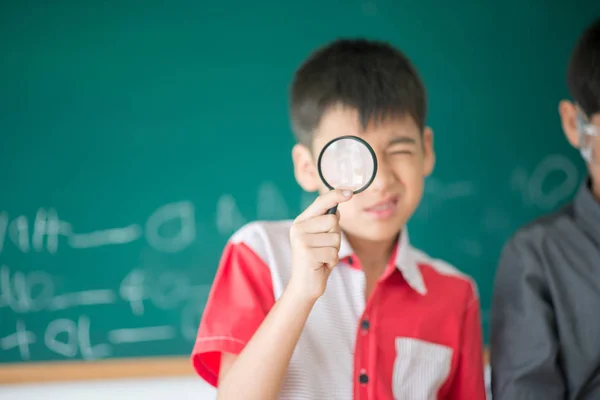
x,y
137,136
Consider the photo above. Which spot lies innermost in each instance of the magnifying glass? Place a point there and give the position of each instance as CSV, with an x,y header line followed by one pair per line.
x,y
347,162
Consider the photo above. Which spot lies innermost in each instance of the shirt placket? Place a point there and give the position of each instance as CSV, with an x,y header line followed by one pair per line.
x,y
365,360
365,363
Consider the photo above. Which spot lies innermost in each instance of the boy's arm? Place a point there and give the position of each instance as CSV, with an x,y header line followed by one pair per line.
x,y
241,316
468,382
245,340
240,298
259,370
227,360
524,341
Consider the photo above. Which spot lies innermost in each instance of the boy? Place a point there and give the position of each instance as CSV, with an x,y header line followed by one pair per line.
x,y
341,306
545,327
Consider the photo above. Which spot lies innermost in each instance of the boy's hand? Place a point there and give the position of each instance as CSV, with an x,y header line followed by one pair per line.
x,y
315,238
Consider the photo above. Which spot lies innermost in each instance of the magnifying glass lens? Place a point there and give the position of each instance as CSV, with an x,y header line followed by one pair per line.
x,y
347,162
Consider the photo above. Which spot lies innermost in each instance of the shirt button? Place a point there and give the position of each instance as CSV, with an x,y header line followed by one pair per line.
x,y
350,261
364,324
363,378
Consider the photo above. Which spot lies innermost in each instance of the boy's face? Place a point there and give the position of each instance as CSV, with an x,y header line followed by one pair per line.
x,y
568,115
404,158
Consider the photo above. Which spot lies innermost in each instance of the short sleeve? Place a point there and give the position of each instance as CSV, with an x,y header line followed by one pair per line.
x,y
525,346
239,300
469,382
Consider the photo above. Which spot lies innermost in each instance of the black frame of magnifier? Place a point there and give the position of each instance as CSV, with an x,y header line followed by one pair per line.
x,y
362,141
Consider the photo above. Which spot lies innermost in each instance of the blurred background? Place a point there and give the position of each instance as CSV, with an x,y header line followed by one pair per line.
x,y
136,137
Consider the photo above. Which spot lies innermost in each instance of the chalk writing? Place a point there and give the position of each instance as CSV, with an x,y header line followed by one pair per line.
x,y
165,291
449,191
19,233
60,326
146,334
106,237
553,163
25,292
132,289
518,182
77,339
21,339
438,194
35,291
270,204
172,228
83,298
48,225
228,217
192,312
532,186
70,338
169,290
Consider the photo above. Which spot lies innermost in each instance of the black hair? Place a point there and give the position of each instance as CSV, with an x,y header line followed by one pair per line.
x,y
583,75
370,76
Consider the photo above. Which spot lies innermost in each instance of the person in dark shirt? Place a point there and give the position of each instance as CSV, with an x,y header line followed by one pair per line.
x,y
545,326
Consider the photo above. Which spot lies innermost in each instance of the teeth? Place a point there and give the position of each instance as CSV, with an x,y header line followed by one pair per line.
x,y
381,207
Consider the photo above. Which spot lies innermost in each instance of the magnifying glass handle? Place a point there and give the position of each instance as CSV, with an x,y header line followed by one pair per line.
x,y
332,210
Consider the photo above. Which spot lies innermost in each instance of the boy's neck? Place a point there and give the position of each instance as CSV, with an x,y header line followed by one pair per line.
x,y
373,255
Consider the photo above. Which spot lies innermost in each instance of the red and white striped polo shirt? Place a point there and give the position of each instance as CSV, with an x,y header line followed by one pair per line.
x,y
418,337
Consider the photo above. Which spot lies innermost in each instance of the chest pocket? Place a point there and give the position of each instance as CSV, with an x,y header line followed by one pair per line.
x,y
420,369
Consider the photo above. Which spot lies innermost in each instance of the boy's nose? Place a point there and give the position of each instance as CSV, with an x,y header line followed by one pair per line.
x,y
384,178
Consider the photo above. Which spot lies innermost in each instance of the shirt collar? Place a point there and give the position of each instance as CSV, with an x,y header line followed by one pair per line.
x,y
587,209
403,259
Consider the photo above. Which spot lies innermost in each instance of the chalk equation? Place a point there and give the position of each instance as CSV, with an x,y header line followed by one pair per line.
x,y
533,187
443,191
438,194
71,338
551,181
270,205
44,232
27,293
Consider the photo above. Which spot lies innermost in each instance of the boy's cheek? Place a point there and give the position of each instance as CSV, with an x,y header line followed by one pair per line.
x,y
412,180
349,211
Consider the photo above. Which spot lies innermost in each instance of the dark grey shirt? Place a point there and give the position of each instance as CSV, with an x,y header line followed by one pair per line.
x,y
545,326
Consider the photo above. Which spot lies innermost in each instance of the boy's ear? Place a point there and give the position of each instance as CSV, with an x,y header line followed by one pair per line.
x,y
428,151
305,169
568,118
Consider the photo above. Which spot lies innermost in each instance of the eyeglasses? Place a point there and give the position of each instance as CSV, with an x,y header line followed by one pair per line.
x,y
589,138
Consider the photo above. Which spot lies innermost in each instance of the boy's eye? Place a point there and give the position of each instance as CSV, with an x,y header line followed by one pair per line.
x,y
400,152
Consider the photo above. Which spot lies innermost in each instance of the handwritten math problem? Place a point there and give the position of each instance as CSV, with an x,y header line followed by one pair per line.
x,y
26,294
44,232
34,297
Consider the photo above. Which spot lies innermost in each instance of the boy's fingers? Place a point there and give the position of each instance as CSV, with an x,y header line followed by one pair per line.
x,y
336,227
319,224
325,255
323,240
324,203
